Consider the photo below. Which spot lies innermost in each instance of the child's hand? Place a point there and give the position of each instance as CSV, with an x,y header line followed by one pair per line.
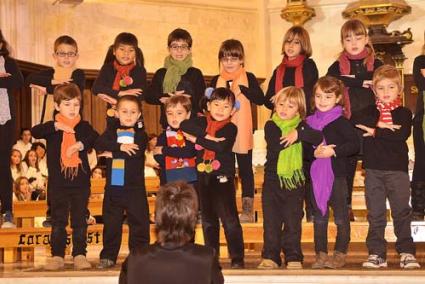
x,y
106,154
130,149
4,74
368,130
273,100
157,150
189,137
179,93
73,149
349,76
60,82
164,100
215,139
131,92
42,89
367,84
324,151
108,99
289,138
390,126
63,127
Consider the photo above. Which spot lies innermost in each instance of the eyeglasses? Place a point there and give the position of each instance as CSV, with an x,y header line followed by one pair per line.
x,y
231,59
180,47
66,54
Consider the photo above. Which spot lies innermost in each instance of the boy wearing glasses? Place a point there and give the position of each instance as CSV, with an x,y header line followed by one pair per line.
x,y
178,76
65,55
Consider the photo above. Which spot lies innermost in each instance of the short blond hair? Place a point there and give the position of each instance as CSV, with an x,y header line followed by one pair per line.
x,y
294,95
387,72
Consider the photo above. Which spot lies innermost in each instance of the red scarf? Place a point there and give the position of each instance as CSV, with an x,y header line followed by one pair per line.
x,y
385,110
280,73
345,69
122,72
212,127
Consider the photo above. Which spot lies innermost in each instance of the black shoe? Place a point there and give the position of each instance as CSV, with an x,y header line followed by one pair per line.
x,y
47,223
416,216
237,264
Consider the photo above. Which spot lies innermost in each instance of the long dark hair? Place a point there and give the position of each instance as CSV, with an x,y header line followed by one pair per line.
x,y
5,48
128,39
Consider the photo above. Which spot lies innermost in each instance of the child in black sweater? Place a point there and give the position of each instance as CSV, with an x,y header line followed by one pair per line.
x,y
214,135
124,143
68,140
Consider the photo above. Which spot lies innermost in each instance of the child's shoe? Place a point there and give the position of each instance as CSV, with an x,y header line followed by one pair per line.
x,y
294,265
337,260
322,260
81,262
267,264
55,263
375,261
408,261
237,264
105,263
247,215
8,221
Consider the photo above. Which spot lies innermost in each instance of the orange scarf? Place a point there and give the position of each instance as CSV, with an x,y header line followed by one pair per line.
x,y
243,117
69,165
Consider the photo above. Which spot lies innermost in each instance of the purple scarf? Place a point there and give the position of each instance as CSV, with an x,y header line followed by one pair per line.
x,y
322,176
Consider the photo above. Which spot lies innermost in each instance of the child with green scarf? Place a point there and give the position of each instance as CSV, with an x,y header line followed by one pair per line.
x,y
178,76
283,190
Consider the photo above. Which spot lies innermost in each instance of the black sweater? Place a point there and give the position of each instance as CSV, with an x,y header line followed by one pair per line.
x,y
192,83
84,133
272,135
341,133
360,97
134,176
310,76
388,149
11,83
419,64
223,149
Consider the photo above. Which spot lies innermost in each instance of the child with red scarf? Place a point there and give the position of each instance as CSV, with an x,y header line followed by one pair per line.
x,y
247,92
387,126
68,140
354,68
123,73
215,135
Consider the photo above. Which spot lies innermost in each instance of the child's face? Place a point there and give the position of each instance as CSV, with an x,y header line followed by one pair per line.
x,y
40,152
386,90
26,136
152,143
128,113
97,174
179,50
69,108
220,109
325,101
354,44
32,158
65,55
175,115
231,63
15,158
125,54
24,185
286,109
292,48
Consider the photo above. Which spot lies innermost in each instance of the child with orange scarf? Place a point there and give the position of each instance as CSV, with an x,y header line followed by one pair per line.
x,y
247,91
68,139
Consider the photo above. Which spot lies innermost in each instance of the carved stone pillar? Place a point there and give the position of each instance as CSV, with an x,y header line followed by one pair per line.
x,y
297,12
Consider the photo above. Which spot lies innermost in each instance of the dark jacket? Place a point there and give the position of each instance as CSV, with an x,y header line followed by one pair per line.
x,y
419,64
11,83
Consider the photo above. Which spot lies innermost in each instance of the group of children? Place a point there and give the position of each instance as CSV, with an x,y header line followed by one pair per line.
x,y
312,149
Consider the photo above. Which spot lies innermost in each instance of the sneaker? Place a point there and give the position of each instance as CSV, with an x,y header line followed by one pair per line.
x,y
237,264
81,262
47,223
267,264
8,221
294,265
322,260
55,263
105,263
337,260
408,261
375,261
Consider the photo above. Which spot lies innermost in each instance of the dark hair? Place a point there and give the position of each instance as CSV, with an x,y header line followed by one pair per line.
x,y
179,99
329,85
231,48
38,144
65,39
176,210
220,94
66,92
129,98
179,34
303,37
128,39
23,129
5,48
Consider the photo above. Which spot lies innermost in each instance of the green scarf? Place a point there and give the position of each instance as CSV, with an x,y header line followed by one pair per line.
x,y
290,162
175,70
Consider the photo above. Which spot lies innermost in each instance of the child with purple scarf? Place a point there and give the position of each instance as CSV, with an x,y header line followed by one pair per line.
x,y
328,170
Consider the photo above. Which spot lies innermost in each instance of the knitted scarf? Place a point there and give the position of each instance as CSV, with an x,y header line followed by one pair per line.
x,y
322,176
69,165
280,72
385,110
345,69
175,70
5,114
122,78
124,136
290,161
243,117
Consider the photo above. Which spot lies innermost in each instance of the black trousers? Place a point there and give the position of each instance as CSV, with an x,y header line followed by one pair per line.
x,y
6,142
65,201
393,185
218,202
282,213
352,166
308,190
135,204
245,173
339,206
418,177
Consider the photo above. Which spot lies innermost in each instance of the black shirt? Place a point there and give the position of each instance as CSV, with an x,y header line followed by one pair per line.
x,y
419,64
11,83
